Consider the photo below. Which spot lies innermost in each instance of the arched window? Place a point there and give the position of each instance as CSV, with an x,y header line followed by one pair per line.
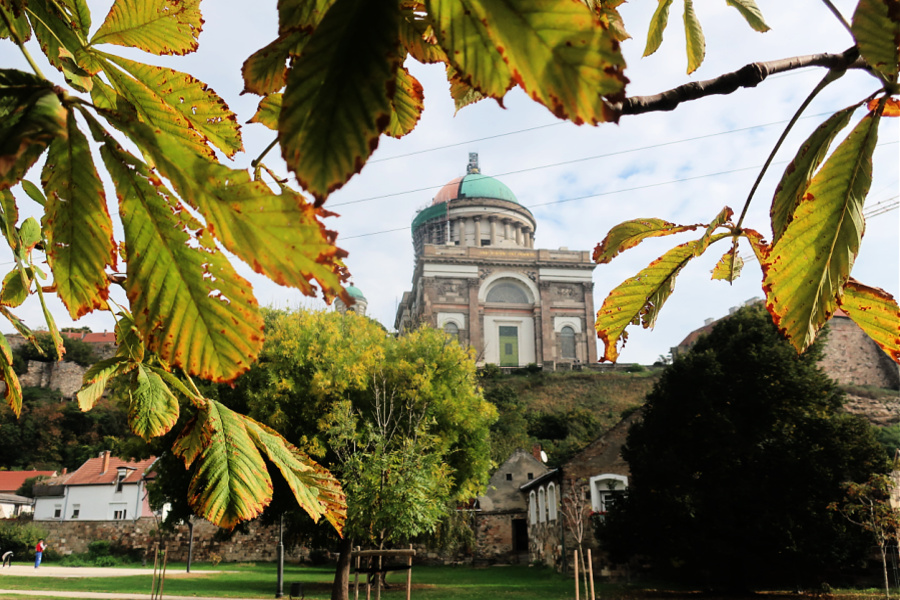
x,y
567,342
508,292
451,329
542,506
532,509
551,502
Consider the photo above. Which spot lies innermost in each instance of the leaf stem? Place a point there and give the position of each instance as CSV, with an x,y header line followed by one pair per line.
x,y
263,155
839,16
832,75
15,36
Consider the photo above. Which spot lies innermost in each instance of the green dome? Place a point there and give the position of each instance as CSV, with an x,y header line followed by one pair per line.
x,y
474,185
354,292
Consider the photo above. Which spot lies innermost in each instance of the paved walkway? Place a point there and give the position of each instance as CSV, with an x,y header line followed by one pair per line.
x,y
69,572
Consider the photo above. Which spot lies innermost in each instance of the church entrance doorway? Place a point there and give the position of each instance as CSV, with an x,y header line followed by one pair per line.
x,y
509,346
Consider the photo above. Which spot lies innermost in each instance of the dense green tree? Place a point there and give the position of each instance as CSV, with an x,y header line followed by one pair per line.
x,y
77,351
742,447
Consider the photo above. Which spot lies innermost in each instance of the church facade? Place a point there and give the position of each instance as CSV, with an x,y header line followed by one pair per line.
x,y
479,277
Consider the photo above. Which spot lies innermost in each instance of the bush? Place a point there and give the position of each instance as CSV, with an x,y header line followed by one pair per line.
x,y
19,537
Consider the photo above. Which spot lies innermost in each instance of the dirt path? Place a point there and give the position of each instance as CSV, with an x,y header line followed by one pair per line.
x,y
67,572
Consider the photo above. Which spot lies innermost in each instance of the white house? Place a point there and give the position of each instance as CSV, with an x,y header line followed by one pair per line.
x,y
105,488
11,504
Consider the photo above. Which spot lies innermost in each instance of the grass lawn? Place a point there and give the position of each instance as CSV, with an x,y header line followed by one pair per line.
x,y
259,580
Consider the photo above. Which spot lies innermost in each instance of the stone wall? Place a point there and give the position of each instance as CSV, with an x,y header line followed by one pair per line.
x,y
63,376
257,544
852,358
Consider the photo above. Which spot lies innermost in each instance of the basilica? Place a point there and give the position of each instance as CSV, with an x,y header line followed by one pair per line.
x,y
479,277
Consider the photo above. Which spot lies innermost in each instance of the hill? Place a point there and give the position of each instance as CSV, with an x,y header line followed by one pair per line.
x,y
562,411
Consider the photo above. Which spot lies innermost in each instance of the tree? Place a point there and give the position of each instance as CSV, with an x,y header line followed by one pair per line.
x,y
869,506
158,132
741,449
399,420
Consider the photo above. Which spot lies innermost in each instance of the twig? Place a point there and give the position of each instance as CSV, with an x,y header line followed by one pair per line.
x,y
747,76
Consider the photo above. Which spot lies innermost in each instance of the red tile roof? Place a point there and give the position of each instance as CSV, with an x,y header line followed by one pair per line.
x,y
90,472
10,481
107,337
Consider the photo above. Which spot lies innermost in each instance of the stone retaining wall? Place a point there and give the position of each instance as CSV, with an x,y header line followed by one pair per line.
x,y
259,543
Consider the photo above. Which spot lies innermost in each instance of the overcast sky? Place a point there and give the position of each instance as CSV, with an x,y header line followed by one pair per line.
x,y
683,166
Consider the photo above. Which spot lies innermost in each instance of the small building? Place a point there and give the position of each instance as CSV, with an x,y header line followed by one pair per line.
x,y
105,488
565,500
12,504
501,526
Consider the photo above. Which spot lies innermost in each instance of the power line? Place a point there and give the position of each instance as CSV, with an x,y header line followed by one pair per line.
x,y
563,163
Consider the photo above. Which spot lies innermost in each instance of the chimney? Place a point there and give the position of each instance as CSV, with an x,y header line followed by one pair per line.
x,y
105,456
708,322
536,452
65,470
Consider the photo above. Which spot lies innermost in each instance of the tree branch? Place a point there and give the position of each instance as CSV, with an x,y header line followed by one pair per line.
x,y
747,76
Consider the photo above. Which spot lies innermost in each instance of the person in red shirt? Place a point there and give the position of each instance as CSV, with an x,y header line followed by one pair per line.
x,y
39,552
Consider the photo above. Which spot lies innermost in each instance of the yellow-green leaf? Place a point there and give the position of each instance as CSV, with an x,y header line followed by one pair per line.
x,y
729,266
14,292
61,38
658,24
876,312
800,171
757,243
20,29
301,14
407,104
876,27
13,392
153,409
807,267
315,489
470,50
77,224
417,36
231,483
265,71
279,235
129,344
722,219
693,35
166,93
631,233
638,300
607,11
189,304
338,95
559,53
34,192
95,380
156,26
751,13
31,116
462,93
20,326
268,111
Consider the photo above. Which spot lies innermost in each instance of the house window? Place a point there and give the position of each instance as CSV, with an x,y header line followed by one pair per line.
x,y
507,292
451,329
551,502
532,509
509,476
76,510
605,490
119,514
530,476
542,506
567,343
120,481
57,511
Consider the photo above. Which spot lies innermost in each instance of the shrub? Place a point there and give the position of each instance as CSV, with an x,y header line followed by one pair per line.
x,y
99,548
20,537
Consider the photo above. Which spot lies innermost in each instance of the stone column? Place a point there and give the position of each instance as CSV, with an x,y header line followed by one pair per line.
x,y
507,229
589,319
477,231
493,221
476,327
518,235
546,330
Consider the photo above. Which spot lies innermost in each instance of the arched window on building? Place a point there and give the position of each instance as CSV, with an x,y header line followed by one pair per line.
x,y
542,506
532,509
551,502
507,292
567,343
452,329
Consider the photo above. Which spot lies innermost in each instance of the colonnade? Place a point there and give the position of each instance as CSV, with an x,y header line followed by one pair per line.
x,y
499,229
